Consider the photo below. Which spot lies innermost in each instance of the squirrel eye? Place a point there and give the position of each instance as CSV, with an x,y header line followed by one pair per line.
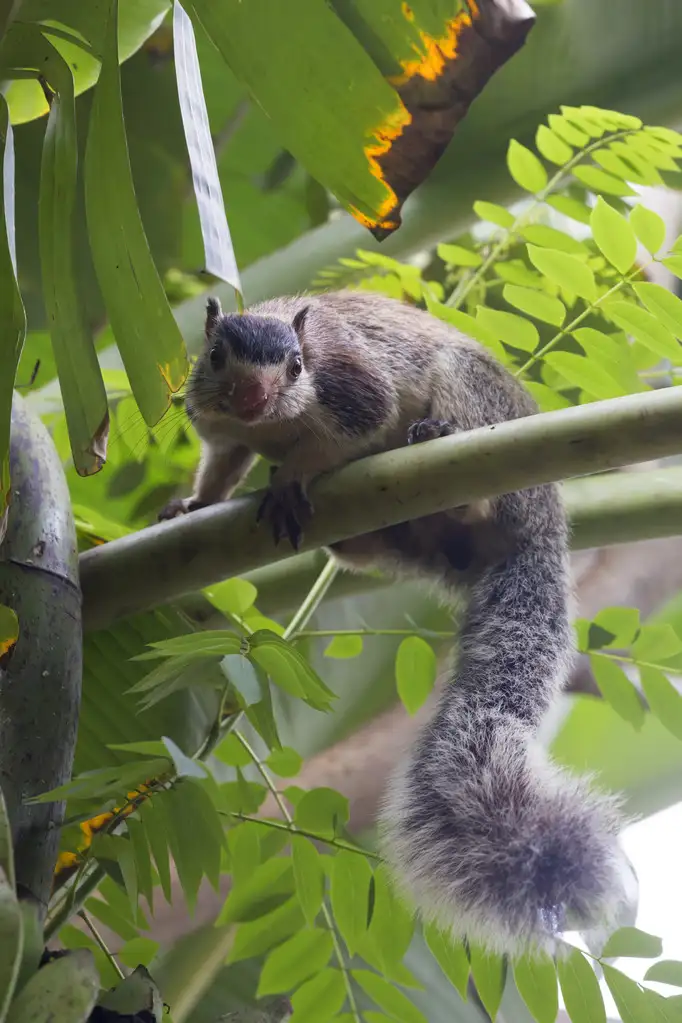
x,y
217,357
295,368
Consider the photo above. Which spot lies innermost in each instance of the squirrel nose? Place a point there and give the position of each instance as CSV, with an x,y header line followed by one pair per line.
x,y
249,398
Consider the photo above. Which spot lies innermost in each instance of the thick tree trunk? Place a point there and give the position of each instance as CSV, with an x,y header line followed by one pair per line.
x,y
40,681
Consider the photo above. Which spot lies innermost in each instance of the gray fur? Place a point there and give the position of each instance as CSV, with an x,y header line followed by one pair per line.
x,y
488,837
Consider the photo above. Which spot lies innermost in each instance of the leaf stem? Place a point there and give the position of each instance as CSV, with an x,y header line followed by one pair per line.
x,y
321,633
315,597
85,917
294,828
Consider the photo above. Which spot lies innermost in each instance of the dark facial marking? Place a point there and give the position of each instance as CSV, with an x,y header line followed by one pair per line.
x,y
261,340
357,400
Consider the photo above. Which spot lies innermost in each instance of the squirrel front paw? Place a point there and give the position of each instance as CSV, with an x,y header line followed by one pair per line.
x,y
429,429
179,506
287,510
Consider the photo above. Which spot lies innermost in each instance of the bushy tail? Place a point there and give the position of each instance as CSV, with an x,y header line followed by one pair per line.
x,y
488,836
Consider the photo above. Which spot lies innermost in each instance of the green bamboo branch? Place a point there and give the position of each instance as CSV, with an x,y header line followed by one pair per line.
x,y
170,559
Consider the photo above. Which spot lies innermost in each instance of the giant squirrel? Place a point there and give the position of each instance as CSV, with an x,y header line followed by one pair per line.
x,y
488,837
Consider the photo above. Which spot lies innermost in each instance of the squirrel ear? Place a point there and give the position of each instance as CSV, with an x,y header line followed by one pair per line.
x,y
213,313
298,322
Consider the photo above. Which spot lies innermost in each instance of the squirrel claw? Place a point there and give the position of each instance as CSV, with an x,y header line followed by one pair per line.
x,y
286,509
428,429
179,506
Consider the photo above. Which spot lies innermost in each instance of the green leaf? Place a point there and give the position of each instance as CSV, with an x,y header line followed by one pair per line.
x,y
243,676
649,228
289,669
663,699
257,936
70,983
629,998
207,826
616,687
319,999
552,147
580,989
34,942
108,781
614,236
392,925
632,943
184,844
285,762
665,306
245,853
674,264
615,357
351,875
667,971
572,208
309,875
271,884
142,859
80,378
343,647
322,812
488,972
565,270
598,180
457,255
551,238
216,642
11,942
507,327
645,328
536,981
388,997
586,374
515,271
12,315
656,643
467,324
148,337
567,131
295,961
138,951
219,258
415,671
231,751
450,955
535,303
525,168
232,596
154,823
493,213
621,622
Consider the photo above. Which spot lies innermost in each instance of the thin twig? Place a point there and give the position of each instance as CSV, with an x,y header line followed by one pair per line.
x,y
101,942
